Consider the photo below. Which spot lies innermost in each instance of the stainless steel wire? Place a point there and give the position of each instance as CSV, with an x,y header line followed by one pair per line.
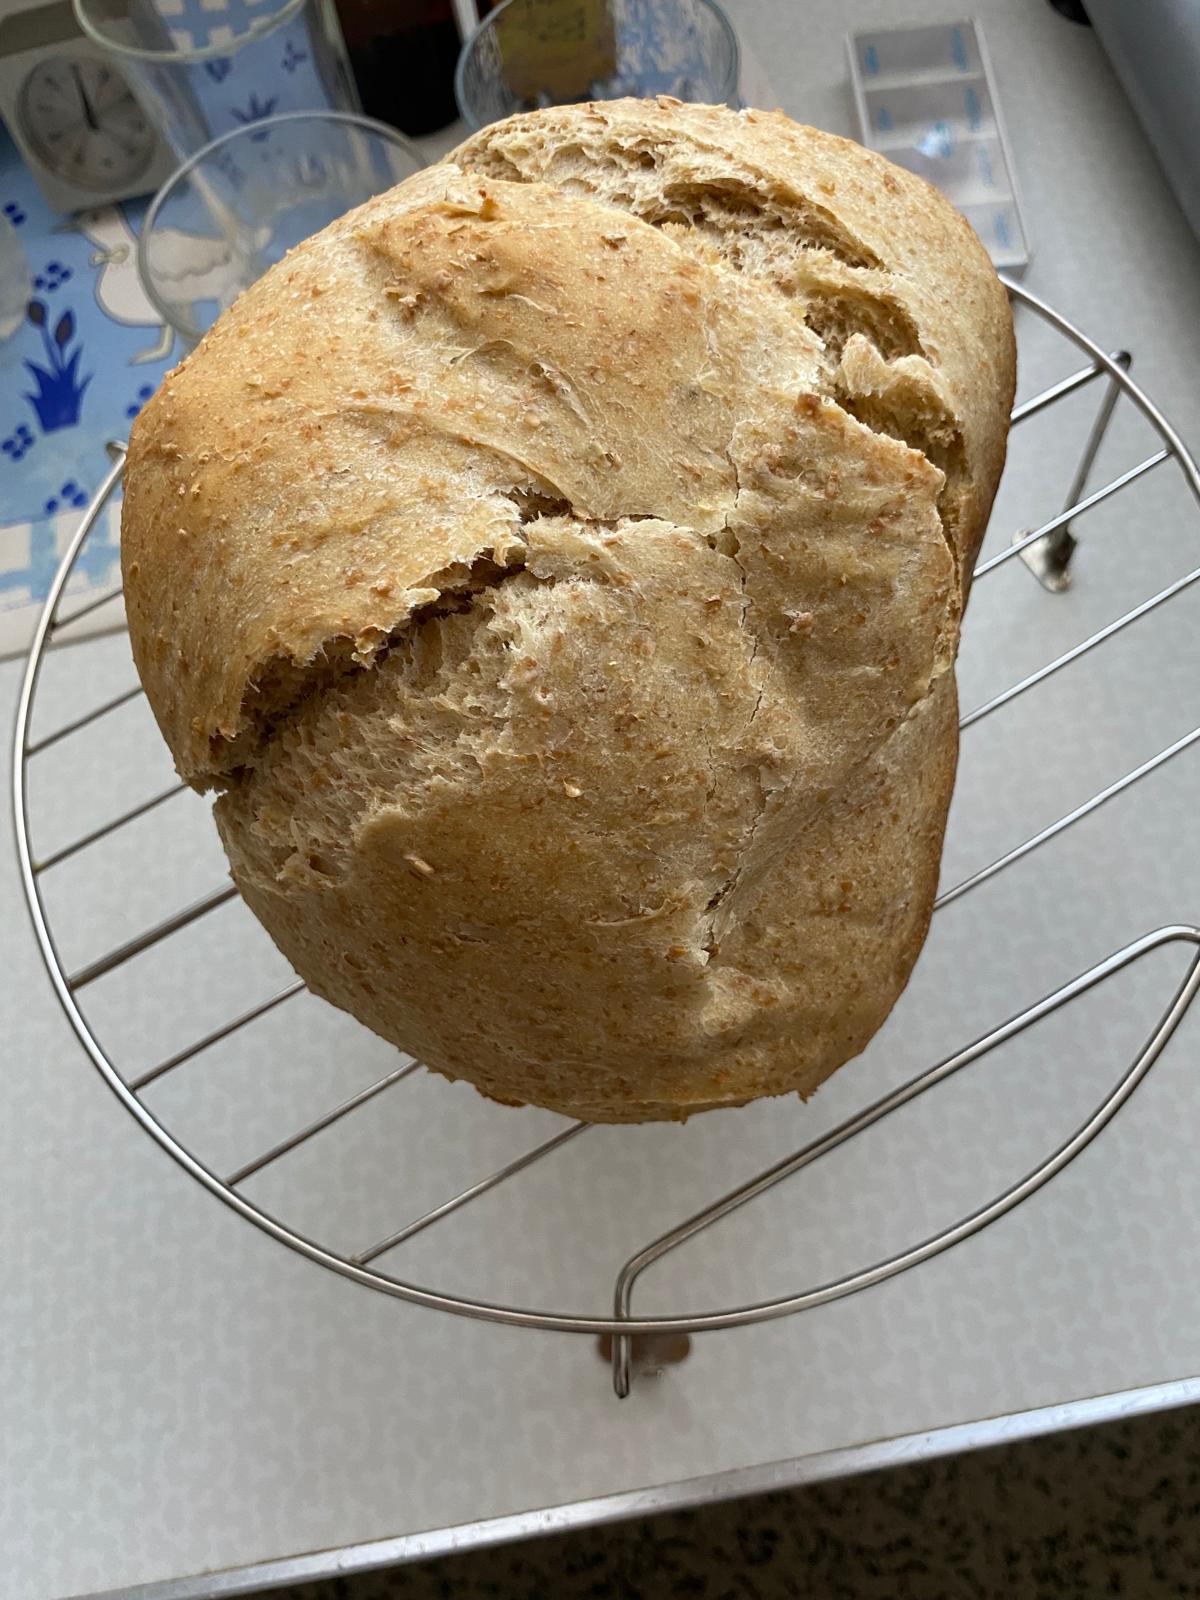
x,y
66,851
1076,508
1112,369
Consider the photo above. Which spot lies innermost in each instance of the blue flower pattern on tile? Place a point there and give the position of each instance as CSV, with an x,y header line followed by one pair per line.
x,y
251,77
230,169
70,495
59,358
255,110
77,416
19,442
136,405
52,277
59,390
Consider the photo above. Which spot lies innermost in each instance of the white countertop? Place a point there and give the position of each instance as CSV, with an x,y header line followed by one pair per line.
x,y
180,1394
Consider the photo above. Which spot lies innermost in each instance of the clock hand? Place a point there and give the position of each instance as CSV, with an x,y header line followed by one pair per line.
x,y
89,116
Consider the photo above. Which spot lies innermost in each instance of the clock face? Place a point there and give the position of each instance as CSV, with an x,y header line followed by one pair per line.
x,y
81,120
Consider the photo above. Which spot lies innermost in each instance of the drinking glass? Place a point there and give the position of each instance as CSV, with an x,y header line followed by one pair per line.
x,y
16,280
235,207
202,69
531,53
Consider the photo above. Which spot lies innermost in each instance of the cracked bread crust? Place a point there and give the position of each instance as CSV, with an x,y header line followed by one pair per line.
x,y
552,587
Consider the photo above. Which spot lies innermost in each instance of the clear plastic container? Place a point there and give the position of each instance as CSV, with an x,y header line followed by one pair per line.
x,y
926,99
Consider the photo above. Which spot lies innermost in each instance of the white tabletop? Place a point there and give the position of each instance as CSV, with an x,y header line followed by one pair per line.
x,y
179,1394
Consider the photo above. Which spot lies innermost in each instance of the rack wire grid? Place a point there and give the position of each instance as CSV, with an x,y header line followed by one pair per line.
x,y
632,1343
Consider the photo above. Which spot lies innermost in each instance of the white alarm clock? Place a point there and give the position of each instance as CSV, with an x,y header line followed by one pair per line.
x,y
71,112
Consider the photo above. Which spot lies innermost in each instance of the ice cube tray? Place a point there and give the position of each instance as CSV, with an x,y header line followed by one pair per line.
x,y
927,100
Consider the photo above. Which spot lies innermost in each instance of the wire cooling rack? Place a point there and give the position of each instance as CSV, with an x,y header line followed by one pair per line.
x,y
633,1341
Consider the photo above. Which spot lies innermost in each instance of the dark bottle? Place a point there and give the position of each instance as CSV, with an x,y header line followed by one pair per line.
x,y
402,54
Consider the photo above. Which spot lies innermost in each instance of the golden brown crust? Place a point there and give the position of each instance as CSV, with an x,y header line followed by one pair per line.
x,y
872,254
558,563
500,957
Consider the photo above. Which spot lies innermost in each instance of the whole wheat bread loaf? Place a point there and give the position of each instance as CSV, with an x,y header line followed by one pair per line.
x,y
557,565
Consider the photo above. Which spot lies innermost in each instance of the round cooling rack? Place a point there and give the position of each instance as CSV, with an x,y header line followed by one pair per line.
x,y
1045,549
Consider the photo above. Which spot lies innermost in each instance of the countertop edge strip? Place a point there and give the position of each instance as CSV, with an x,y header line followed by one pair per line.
x,y
686,1494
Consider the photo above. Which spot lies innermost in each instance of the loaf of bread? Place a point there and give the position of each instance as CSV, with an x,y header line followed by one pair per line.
x,y
557,567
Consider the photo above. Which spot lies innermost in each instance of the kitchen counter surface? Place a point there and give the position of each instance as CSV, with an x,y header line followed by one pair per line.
x,y
180,1395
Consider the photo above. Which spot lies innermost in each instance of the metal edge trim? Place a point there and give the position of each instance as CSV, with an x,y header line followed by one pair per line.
x,y
686,1494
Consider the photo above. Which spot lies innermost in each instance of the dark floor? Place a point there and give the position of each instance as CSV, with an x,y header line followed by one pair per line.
x,y
1106,1511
